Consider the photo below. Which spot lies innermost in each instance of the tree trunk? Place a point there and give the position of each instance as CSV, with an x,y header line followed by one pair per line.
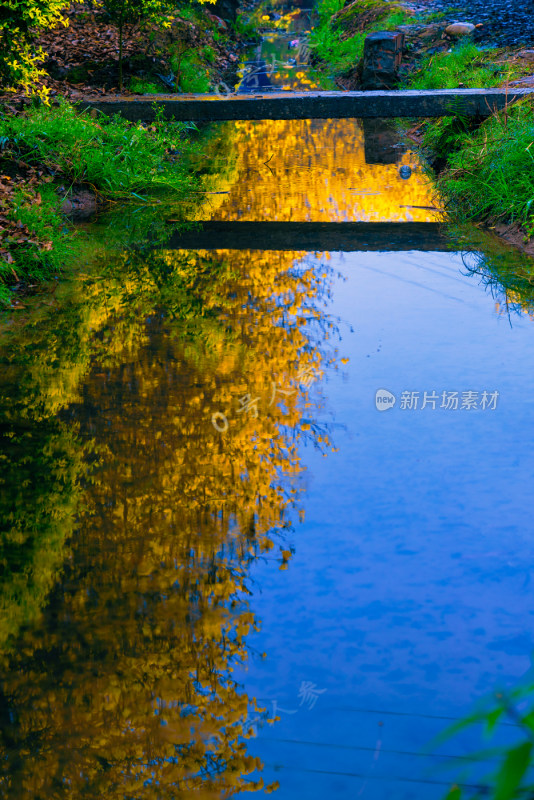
x,y
120,53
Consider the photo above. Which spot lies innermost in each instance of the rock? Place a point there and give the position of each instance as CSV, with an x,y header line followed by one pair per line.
x,y
421,40
527,54
80,205
458,29
431,31
221,24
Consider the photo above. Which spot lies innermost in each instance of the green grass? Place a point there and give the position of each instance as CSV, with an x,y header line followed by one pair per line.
x,y
466,64
121,161
45,223
436,16
208,54
144,86
489,176
340,52
117,158
194,76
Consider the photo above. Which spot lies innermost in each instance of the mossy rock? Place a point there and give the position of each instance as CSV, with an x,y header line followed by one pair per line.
x,y
361,15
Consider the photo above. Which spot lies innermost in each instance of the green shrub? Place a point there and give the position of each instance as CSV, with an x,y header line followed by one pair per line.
x,y
193,77
46,225
20,23
208,54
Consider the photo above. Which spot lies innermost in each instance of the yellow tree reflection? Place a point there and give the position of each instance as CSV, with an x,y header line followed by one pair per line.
x,y
298,170
125,687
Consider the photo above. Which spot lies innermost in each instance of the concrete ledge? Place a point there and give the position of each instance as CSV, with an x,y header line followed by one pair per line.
x,y
310,236
311,105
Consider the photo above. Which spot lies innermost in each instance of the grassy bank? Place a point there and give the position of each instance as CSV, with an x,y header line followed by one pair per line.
x,y
466,65
51,153
337,39
57,166
487,169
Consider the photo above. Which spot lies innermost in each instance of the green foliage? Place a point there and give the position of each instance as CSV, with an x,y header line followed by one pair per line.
x,y
20,23
192,76
436,16
510,780
116,157
466,65
512,771
506,273
4,291
339,36
490,174
208,54
327,8
137,11
45,223
339,55
444,136
191,66
143,86
246,26
146,12
325,40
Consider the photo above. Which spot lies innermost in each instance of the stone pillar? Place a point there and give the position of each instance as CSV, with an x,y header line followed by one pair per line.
x,y
382,56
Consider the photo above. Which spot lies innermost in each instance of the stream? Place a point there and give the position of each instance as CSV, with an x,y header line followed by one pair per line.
x,y
267,513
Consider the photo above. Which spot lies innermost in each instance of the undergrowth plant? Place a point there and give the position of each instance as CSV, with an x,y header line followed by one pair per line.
x,y
44,251
489,174
118,158
143,86
467,65
121,161
190,73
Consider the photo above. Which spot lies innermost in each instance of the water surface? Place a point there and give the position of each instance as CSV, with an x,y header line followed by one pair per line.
x,y
208,523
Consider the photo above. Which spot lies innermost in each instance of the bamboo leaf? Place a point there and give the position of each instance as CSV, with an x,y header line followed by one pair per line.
x,y
492,719
512,771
